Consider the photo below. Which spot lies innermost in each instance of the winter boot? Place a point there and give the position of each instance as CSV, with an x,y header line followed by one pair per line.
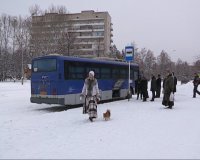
x,y
91,119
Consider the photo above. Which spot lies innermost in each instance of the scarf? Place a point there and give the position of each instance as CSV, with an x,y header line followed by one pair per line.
x,y
91,84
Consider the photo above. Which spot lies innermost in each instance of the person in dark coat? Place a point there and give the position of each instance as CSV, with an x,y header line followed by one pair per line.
x,y
138,87
144,87
175,82
158,86
196,82
168,88
153,87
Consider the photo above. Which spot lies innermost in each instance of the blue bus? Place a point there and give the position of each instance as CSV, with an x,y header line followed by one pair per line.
x,y
59,79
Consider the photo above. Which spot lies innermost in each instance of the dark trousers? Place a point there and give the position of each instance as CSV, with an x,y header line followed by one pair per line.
x,y
153,95
145,95
195,91
139,94
158,92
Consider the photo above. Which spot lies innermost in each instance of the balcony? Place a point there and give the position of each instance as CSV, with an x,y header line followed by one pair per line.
x,y
86,43
87,30
91,37
86,24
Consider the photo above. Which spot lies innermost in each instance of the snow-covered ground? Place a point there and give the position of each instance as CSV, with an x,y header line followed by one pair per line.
x,y
136,130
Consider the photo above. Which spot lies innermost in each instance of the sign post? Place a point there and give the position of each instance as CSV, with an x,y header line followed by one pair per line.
x,y
129,51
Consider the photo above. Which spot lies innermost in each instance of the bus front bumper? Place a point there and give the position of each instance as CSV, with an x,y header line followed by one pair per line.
x,y
40,100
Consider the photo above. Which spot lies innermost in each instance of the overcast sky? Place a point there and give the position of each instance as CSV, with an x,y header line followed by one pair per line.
x,y
170,25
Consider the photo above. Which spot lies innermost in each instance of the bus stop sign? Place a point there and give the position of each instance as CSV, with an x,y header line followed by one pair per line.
x,y
129,51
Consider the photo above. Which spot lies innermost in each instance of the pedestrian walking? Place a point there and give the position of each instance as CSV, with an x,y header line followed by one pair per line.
x,y
196,83
91,94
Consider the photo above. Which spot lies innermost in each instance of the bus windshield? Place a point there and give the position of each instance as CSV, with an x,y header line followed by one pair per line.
x,y
44,65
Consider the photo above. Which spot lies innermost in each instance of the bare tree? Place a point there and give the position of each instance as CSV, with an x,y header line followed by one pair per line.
x,y
183,70
149,63
56,9
35,9
197,66
66,42
140,59
163,62
22,56
5,45
1,50
198,57
115,52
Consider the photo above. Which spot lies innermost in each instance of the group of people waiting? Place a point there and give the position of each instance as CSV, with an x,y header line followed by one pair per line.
x,y
169,88
91,94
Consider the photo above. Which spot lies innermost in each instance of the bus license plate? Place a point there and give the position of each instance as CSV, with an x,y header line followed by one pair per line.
x,y
43,93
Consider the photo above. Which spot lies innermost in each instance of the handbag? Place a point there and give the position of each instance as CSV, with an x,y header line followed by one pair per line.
x,y
171,97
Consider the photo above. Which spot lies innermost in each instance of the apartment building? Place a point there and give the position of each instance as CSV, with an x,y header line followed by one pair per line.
x,y
87,33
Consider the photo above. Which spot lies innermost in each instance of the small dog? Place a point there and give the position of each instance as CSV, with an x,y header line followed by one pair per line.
x,y
107,115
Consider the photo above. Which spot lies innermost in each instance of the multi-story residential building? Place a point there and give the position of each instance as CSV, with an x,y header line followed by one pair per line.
x,y
85,33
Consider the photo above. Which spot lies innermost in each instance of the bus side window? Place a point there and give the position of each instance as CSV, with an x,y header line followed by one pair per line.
x,y
76,71
115,73
95,68
105,73
123,73
66,72
80,72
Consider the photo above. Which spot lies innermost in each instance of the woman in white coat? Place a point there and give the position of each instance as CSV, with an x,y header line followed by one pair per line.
x,y
91,93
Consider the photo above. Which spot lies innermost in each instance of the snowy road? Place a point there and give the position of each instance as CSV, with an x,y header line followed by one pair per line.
x,y
136,130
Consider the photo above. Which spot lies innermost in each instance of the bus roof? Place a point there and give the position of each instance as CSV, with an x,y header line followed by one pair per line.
x,y
91,60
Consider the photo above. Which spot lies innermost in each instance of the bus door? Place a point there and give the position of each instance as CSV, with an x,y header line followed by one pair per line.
x,y
118,82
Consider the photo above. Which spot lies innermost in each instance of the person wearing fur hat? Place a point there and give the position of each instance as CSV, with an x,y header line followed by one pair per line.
x,y
91,93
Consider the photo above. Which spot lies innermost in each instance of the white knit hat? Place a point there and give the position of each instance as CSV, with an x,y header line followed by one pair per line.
x,y
92,73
